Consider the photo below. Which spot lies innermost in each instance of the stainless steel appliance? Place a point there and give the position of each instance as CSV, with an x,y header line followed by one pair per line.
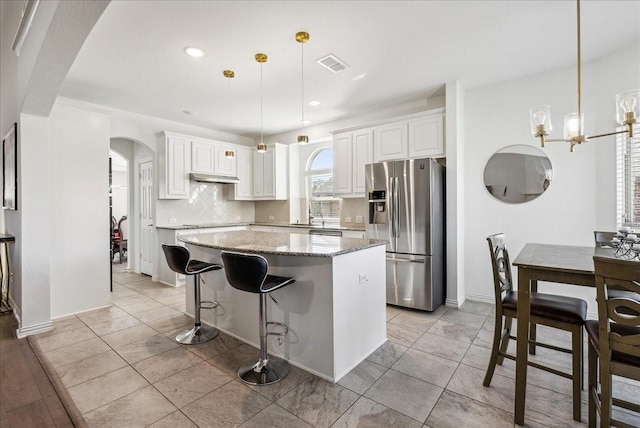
x,y
406,208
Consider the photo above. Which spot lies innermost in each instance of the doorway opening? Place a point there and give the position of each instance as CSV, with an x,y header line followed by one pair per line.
x,y
119,207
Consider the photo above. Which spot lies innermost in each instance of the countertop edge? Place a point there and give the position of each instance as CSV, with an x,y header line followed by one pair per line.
x,y
365,244
301,226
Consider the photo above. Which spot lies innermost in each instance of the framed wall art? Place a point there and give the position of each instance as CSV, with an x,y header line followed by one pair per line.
x,y
10,169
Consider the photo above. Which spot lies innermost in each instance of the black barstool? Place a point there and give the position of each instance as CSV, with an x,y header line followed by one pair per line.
x,y
180,261
248,272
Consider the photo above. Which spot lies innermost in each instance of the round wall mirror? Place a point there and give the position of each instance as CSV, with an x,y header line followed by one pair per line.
x,y
518,173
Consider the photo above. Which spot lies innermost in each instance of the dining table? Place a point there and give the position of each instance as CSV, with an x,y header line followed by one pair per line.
x,y
565,264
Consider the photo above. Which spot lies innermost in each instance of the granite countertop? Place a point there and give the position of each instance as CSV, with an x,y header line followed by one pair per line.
x,y
276,224
286,244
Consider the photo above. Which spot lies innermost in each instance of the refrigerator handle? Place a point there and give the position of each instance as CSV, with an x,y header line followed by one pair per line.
x,y
392,222
396,208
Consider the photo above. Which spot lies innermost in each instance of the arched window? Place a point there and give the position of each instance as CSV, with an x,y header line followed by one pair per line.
x,y
323,207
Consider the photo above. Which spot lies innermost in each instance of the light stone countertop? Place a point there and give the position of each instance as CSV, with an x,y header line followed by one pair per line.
x,y
274,224
286,244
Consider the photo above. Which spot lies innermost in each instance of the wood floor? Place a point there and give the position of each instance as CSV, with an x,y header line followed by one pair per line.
x,y
27,397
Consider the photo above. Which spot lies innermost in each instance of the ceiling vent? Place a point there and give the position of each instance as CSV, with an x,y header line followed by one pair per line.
x,y
332,63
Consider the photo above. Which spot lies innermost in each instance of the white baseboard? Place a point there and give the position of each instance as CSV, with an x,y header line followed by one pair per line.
x,y
23,332
451,303
481,298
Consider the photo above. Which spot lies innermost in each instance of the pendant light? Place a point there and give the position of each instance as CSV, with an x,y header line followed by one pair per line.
x,y
229,74
302,38
261,58
627,112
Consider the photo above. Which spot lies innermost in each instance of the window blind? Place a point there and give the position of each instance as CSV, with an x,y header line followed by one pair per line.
x,y
628,179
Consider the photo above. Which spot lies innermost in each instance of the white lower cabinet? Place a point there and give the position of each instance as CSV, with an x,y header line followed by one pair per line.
x,y
170,237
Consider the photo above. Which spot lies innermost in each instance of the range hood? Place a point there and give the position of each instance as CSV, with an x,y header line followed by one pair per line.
x,y
213,178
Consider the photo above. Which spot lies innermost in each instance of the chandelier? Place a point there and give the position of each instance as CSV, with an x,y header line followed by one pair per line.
x,y
627,112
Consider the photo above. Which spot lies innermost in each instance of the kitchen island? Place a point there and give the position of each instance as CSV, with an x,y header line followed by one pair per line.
x,y
335,310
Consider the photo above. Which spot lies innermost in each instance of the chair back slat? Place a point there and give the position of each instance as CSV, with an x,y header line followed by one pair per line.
x,y
620,310
623,313
626,344
501,265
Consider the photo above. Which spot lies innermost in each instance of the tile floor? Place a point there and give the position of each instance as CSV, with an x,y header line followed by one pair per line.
x,y
122,369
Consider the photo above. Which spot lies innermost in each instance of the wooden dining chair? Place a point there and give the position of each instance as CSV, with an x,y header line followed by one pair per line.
x,y
561,312
614,339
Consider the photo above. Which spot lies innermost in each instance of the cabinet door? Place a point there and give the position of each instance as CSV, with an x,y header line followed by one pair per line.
x,y
202,157
244,170
222,164
390,141
268,171
362,155
258,174
426,137
177,168
342,164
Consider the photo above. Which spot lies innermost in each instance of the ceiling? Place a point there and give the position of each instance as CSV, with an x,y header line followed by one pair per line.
x,y
133,59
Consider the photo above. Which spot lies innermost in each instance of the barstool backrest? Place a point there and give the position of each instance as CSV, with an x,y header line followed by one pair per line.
x,y
245,272
177,258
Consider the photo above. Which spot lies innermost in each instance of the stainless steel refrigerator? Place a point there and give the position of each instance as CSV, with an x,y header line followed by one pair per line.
x,y
405,207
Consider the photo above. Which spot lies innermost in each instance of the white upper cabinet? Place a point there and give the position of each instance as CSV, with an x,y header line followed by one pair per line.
x,y
351,152
202,157
362,155
426,136
342,164
174,163
242,191
224,165
415,136
271,173
390,141
209,157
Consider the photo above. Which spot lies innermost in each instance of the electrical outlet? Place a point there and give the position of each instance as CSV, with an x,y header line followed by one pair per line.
x,y
271,217
347,219
359,219
172,220
362,278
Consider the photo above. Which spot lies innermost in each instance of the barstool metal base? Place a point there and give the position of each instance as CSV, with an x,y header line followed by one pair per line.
x,y
198,334
264,372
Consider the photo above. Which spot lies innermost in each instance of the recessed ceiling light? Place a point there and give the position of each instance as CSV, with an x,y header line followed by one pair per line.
x,y
306,122
314,103
359,76
194,52
188,112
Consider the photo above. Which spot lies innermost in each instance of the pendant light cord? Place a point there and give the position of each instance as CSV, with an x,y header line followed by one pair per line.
x,y
261,131
302,81
579,65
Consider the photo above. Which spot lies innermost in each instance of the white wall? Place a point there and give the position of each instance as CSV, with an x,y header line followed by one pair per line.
x,y
497,116
80,205
31,224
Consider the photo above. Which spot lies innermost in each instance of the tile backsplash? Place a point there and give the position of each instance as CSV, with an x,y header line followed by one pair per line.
x,y
352,208
207,204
